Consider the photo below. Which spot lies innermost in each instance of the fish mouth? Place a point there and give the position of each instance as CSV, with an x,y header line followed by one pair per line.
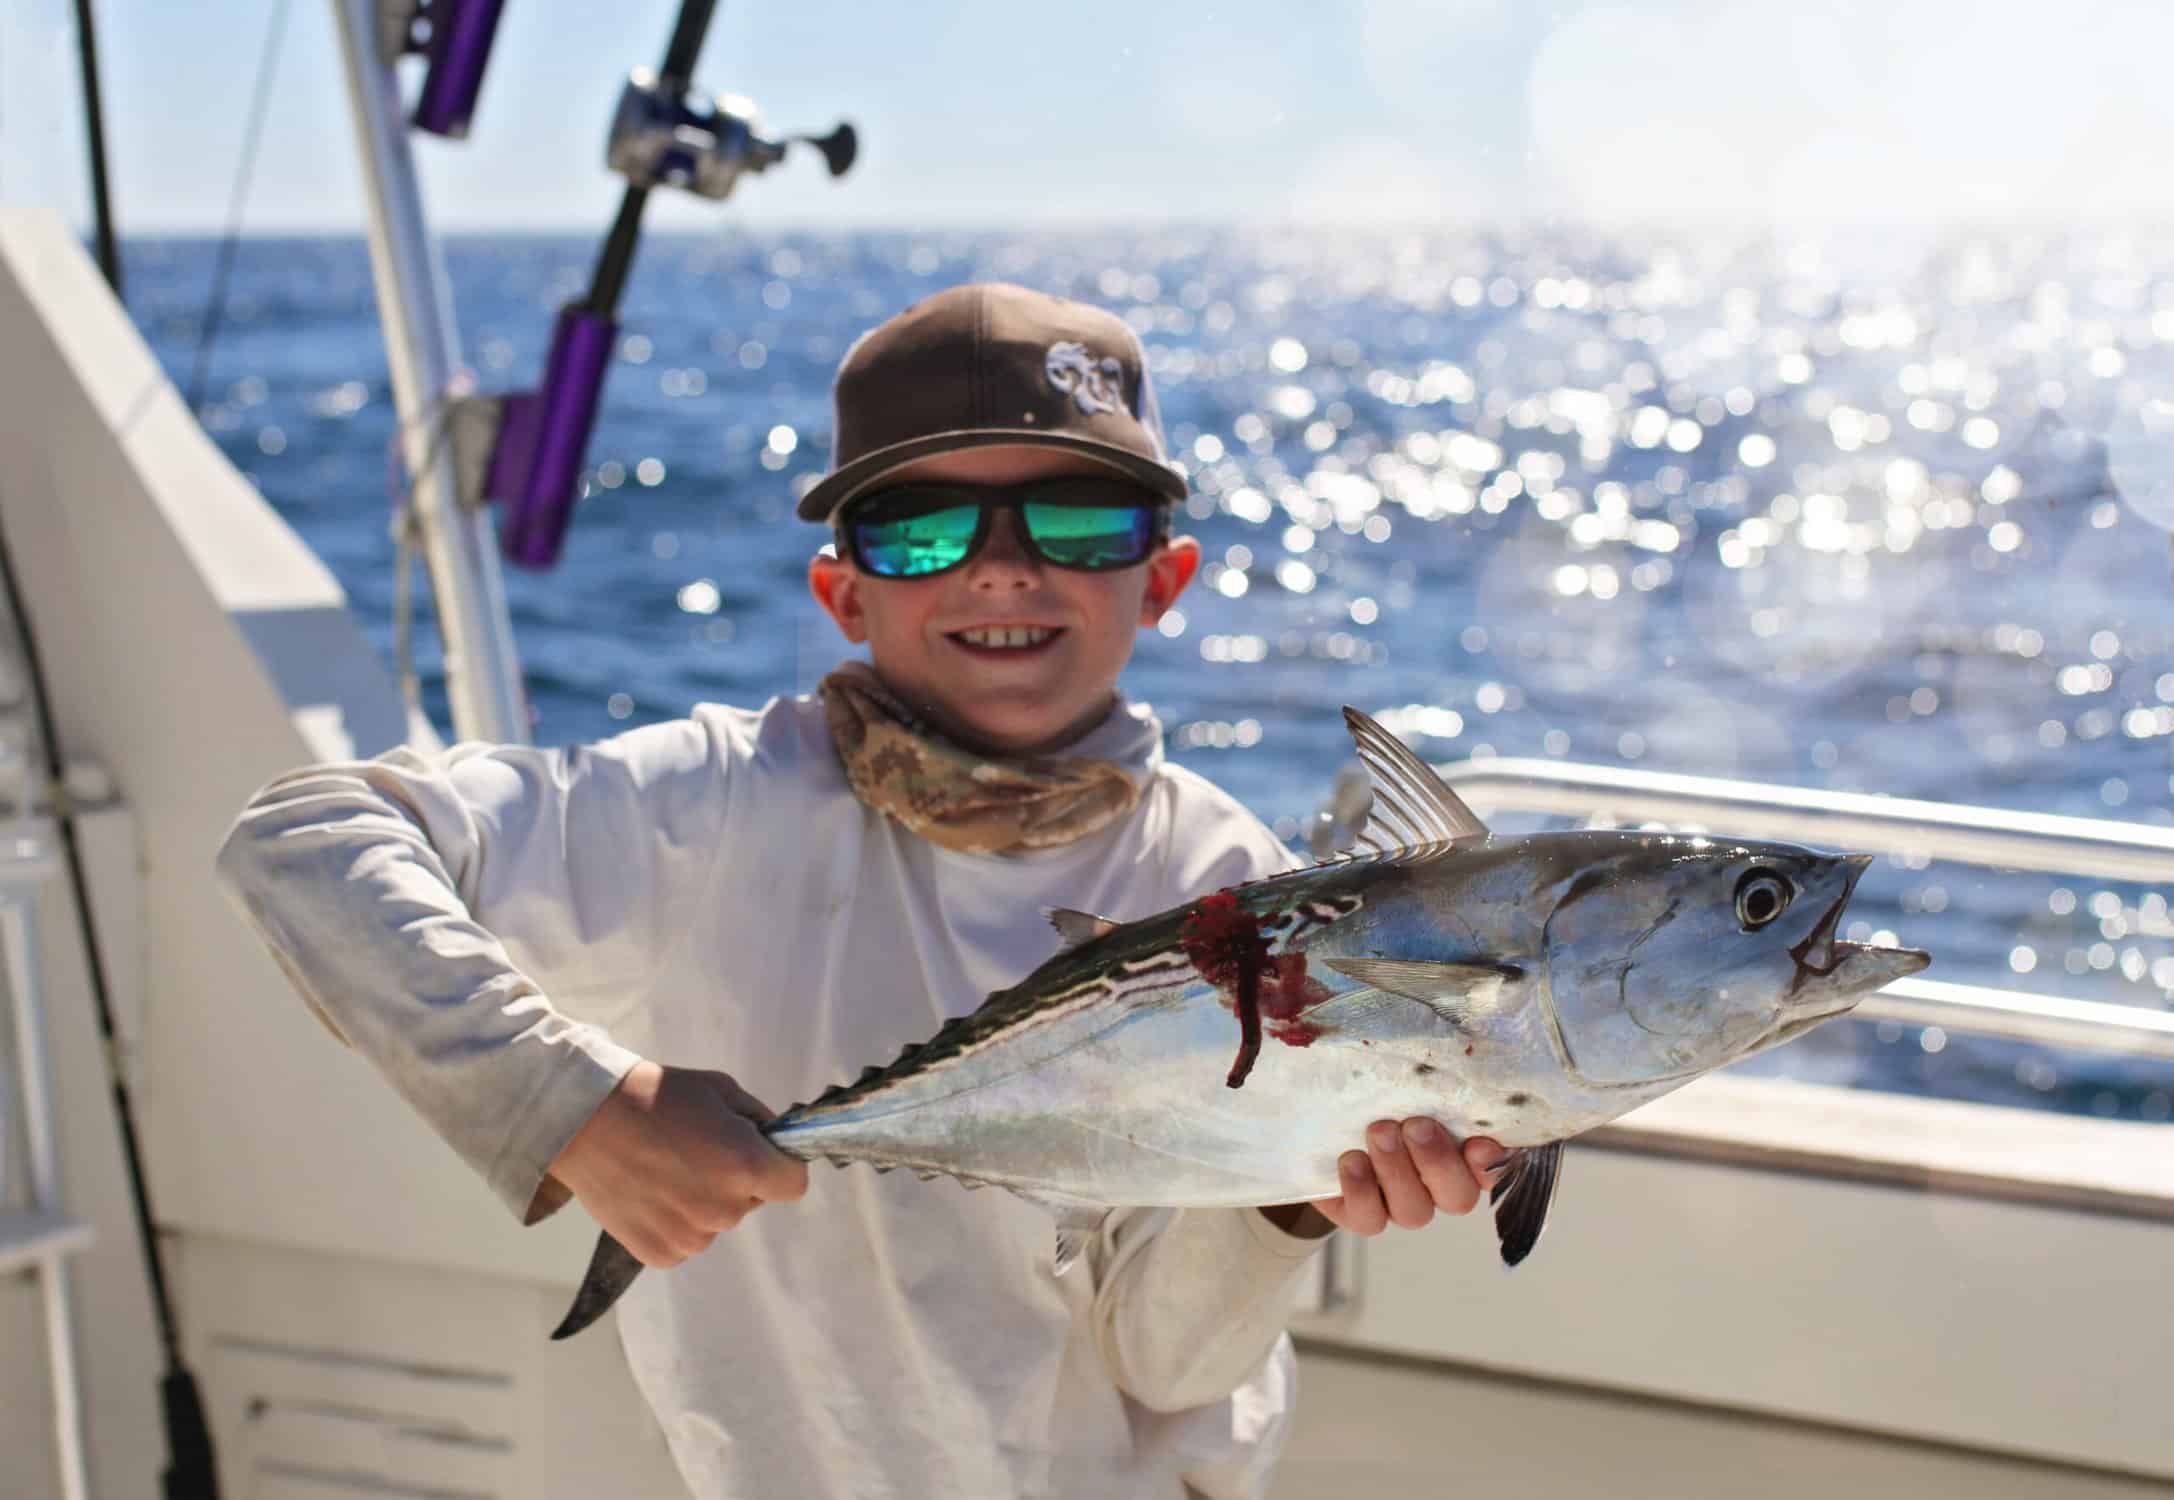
x,y
1819,955
1831,975
1854,971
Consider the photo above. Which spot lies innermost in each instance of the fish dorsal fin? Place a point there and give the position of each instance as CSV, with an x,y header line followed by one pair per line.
x,y
1077,927
1459,993
1521,1198
1413,807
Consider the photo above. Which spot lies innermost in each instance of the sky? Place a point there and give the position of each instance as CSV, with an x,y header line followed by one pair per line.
x,y
1001,113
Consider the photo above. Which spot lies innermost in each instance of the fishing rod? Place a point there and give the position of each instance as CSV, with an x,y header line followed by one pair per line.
x,y
94,130
665,134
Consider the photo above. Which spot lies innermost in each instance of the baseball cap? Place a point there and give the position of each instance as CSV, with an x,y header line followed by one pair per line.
x,y
986,365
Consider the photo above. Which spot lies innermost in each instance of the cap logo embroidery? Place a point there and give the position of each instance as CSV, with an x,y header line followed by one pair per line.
x,y
1094,385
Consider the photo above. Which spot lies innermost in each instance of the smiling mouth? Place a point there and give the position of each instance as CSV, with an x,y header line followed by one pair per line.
x,y
1008,640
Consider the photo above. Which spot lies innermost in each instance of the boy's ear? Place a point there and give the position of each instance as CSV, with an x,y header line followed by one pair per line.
x,y
838,589
1168,572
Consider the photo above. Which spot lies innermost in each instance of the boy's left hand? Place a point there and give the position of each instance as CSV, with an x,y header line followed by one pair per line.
x,y
1409,1172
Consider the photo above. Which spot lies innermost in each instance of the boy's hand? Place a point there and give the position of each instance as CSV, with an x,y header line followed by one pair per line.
x,y
1406,1175
672,1158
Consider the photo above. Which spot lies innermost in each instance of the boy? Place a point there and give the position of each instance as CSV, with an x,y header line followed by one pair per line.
x,y
512,935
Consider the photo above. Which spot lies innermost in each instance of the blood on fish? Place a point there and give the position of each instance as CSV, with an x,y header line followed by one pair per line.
x,y
1286,991
1226,946
1249,1039
1222,939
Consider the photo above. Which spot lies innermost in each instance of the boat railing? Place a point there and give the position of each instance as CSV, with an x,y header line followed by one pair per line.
x,y
1995,837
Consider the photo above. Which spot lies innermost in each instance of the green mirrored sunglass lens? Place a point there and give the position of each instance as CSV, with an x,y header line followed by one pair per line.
x,y
925,543
1090,535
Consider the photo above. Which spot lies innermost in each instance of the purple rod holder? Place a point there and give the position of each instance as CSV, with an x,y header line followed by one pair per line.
x,y
461,32
536,465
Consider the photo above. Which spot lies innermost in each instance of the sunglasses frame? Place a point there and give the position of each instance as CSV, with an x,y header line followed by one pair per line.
x,y
919,499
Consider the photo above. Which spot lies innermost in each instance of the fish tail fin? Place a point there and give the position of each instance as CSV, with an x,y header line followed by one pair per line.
x,y
612,1269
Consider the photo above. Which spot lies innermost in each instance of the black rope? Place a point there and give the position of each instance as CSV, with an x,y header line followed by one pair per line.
x,y
191,1471
94,124
215,309
188,1437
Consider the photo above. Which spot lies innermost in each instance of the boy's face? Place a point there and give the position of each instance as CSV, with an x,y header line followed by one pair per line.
x,y
1014,700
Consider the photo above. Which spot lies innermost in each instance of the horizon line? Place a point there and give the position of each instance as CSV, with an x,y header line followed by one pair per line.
x,y
1738,228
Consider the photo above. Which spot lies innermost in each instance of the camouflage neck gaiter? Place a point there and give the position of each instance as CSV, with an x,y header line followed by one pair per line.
x,y
953,797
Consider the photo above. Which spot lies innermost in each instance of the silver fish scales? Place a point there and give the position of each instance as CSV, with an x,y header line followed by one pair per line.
x,y
1227,1052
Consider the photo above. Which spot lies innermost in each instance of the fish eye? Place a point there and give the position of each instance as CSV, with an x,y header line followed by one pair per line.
x,y
1761,896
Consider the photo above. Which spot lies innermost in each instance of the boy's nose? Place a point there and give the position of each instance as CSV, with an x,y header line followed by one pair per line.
x,y
1004,560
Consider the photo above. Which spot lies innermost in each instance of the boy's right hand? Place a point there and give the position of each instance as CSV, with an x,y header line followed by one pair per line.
x,y
672,1158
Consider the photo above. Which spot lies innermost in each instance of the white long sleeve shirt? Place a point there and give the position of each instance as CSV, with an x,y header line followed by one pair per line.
x,y
505,931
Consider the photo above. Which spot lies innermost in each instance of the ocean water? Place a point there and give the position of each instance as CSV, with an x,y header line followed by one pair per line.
x,y
1888,516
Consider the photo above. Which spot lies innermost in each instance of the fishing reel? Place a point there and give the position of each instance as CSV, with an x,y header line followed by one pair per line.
x,y
525,449
665,134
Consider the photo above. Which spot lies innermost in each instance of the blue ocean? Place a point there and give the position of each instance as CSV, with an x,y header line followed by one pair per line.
x,y
1883,516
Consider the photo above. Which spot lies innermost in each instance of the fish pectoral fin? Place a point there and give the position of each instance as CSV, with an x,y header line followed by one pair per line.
x,y
1078,1222
1413,808
1077,927
1459,993
1073,1238
1522,1196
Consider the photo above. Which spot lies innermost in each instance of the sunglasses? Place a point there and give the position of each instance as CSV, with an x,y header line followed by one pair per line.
x,y
1087,524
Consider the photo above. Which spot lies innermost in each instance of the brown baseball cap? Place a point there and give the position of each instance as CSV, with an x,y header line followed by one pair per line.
x,y
987,365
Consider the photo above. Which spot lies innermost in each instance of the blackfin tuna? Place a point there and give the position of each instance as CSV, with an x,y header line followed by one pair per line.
x,y
1229,1051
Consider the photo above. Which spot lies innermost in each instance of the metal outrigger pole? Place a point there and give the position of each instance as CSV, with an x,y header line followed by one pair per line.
x,y
482,669
665,134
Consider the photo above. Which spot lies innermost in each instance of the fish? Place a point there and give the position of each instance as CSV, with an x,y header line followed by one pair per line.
x,y
1227,1052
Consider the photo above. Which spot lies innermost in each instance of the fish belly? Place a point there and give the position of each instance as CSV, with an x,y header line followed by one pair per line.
x,y
1136,1111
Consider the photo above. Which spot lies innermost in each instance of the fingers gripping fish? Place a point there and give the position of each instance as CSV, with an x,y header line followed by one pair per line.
x,y
1525,988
